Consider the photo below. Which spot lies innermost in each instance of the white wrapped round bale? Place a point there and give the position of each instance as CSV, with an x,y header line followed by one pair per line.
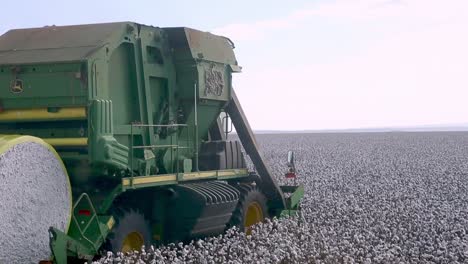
x,y
35,194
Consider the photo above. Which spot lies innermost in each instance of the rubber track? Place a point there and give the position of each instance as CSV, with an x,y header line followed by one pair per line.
x,y
244,189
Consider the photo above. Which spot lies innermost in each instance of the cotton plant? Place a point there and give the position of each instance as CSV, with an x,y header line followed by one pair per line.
x,y
370,198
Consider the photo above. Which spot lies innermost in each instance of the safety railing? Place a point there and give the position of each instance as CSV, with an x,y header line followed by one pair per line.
x,y
172,145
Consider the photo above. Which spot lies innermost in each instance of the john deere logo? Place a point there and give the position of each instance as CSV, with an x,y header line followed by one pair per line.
x,y
16,86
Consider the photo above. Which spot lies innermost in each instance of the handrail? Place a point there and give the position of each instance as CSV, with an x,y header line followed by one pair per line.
x,y
147,125
155,146
171,145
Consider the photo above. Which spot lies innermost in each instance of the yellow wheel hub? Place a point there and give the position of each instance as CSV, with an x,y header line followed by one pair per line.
x,y
133,241
253,216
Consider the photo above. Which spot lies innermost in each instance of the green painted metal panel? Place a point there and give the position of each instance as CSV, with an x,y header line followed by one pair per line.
x,y
33,86
124,73
54,44
201,45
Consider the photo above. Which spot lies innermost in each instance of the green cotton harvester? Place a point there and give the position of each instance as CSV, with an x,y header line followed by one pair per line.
x,y
114,136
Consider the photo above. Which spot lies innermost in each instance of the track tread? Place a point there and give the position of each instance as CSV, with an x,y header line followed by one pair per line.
x,y
125,214
248,192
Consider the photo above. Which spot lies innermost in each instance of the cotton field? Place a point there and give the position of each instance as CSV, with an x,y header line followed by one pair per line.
x,y
370,198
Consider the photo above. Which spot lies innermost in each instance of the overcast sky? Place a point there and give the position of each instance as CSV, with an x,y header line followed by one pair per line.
x,y
314,64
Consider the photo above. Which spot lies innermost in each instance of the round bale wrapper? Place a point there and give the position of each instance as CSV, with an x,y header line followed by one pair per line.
x,y
35,194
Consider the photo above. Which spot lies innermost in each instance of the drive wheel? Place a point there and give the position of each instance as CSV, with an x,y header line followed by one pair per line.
x,y
131,233
251,209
